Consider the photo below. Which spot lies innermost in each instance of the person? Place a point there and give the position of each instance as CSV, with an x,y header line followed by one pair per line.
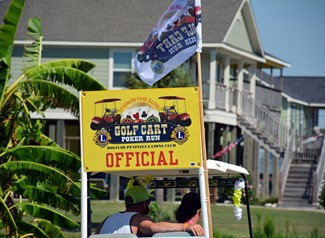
x,y
135,218
190,209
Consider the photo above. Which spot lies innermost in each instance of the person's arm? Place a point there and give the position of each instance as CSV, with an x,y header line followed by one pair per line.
x,y
149,228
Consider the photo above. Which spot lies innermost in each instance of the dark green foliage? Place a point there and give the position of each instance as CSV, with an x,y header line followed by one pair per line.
x,y
179,77
322,198
157,214
32,166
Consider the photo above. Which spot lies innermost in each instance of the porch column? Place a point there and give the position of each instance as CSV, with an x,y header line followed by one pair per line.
x,y
275,176
266,174
60,133
226,78
212,80
240,86
232,153
114,188
210,151
256,165
252,80
248,153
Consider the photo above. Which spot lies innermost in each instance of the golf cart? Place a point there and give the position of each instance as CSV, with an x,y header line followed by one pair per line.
x,y
220,174
174,111
107,114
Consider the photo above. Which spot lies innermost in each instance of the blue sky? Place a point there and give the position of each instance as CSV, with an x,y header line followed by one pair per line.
x,y
294,31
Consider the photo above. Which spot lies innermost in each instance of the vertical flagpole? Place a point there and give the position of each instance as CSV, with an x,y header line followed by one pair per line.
x,y
84,192
203,145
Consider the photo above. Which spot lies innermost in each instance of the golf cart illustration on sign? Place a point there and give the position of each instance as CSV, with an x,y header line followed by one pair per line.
x,y
174,111
105,114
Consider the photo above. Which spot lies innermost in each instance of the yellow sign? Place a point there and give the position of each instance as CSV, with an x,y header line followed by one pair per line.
x,y
140,129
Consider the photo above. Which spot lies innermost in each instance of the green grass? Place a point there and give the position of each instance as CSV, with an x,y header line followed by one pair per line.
x,y
296,223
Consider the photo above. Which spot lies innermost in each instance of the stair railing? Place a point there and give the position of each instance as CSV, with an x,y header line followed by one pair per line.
x,y
285,167
250,110
318,178
264,120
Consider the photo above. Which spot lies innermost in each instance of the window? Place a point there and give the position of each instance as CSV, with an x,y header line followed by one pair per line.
x,y
122,66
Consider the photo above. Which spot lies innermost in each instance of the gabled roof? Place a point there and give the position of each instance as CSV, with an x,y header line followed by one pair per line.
x,y
303,89
128,23
116,20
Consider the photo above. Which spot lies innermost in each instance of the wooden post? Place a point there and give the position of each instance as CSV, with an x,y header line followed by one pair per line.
x,y
203,145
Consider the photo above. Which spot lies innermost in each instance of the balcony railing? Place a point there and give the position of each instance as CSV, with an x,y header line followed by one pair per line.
x,y
231,100
319,175
266,122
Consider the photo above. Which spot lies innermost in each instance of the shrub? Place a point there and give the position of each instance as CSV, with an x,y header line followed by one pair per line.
x,y
322,198
156,213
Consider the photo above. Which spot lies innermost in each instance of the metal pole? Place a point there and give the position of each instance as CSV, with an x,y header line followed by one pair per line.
x,y
204,204
248,208
83,175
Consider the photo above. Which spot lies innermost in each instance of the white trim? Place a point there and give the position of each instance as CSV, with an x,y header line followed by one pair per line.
x,y
136,45
303,103
54,115
221,46
293,100
278,61
111,65
317,104
82,43
220,117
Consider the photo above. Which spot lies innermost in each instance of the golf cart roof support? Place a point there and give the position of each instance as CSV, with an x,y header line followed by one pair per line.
x,y
248,208
204,202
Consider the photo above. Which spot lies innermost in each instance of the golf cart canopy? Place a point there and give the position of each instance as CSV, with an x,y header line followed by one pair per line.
x,y
215,168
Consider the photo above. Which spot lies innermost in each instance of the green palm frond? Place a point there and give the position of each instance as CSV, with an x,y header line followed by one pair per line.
x,y
46,141
6,214
52,95
28,228
65,75
7,36
82,65
38,172
33,51
48,155
44,212
50,229
48,195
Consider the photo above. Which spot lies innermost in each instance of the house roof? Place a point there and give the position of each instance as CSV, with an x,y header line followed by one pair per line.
x,y
305,89
116,20
128,23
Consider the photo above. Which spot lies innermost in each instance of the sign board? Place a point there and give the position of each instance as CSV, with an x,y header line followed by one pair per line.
x,y
140,129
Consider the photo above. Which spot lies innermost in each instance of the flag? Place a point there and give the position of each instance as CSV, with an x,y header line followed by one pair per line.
x,y
228,147
174,39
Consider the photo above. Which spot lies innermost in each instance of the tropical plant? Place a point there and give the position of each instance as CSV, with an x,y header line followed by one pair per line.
x,y
32,166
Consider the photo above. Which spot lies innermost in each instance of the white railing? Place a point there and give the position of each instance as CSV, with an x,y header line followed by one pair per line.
x,y
285,167
247,108
258,116
264,120
318,175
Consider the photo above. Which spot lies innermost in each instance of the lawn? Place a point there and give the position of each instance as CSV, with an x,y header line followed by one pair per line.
x,y
295,223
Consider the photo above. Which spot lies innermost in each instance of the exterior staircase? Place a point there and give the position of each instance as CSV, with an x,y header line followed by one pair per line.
x,y
302,173
298,190
262,125
303,181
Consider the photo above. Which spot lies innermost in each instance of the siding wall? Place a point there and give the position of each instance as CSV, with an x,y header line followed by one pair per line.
x,y
97,56
239,36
